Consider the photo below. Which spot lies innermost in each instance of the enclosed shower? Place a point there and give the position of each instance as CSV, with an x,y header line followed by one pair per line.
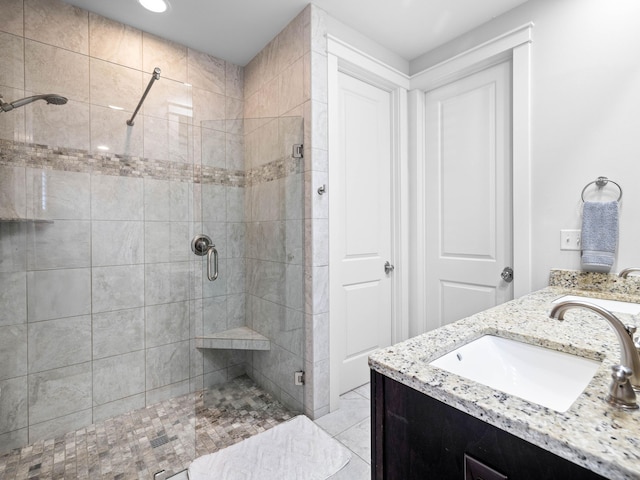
x,y
107,314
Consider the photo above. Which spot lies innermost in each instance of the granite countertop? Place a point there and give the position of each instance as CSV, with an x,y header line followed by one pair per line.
x,y
591,433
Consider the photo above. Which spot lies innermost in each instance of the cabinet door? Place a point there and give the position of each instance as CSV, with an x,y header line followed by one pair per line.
x,y
418,437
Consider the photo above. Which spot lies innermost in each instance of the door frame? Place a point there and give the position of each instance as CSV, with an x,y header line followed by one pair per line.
x,y
347,59
515,46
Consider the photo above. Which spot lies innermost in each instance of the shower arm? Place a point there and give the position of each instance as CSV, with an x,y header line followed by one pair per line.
x,y
154,76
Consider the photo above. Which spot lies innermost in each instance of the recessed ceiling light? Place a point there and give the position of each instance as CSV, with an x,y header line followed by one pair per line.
x,y
156,6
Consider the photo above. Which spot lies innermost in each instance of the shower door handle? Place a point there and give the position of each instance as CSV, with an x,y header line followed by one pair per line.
x,y
212,251
202,245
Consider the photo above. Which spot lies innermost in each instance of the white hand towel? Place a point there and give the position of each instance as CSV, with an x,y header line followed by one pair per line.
x,y
599,235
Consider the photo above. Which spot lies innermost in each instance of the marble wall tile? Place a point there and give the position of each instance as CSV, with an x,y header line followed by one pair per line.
x,y
60,425
316,290
264,280
57,23
12,125
168,323
235,204
291,43
13,298
50,69
213,148
58,125
234,145
214,314
180,242
12,61
293,196
118,377
116,198
113,84
59,392
236,308
157,200
169,100
13,200
294,286
208,106
117,243
157,237
317,337
13,403
62,244
213,379
167,364
115,42
168,391
236,271
217,231
169,56
166,282
56,195
13,351
58,293
180,194
234,80
59,343
318,233
13,17
205,71
109,130
14,439
118,407
236,240
270,94
156,138
180,141
234,110
319,74
118,287
214,203
291,85
13,237
294,241
118,332
266,204
318,207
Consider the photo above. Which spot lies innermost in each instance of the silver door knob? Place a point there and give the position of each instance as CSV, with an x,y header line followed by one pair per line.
x,y
507,274
388,268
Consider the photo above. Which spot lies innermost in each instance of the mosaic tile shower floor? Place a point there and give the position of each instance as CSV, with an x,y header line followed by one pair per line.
x,y
166,436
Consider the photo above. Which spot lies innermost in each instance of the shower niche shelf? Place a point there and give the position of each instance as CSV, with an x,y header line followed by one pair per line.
x,y
241,338
23,220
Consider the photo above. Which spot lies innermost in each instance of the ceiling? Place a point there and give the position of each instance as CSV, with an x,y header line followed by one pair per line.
x,y
236,30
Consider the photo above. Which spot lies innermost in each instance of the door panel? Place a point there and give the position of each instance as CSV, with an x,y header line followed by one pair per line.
x,y
361,228
468,197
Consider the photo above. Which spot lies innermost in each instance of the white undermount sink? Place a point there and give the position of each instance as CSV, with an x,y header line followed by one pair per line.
x,y
540,375
613,306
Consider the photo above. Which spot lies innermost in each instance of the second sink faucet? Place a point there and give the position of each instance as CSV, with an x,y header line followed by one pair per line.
x,y
624,273
629,356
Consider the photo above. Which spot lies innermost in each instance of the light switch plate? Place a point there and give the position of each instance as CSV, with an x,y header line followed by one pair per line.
x,y
570,240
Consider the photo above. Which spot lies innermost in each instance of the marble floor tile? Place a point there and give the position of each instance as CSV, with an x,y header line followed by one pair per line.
x,y
353,408
356,469
358,439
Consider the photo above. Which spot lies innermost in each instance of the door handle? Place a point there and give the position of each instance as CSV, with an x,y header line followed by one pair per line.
x,y
507,274
201,245
388,268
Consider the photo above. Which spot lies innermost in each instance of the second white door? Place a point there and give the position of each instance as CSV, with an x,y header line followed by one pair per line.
x,y
360,228
468,195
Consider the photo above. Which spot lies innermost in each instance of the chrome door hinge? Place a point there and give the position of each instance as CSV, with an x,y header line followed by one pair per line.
x,y
297,150
298,378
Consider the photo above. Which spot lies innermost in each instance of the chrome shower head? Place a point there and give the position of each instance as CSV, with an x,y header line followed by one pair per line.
x,y
51,98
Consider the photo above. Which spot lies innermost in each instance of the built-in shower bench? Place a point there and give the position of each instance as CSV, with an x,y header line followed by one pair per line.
x,y
241,338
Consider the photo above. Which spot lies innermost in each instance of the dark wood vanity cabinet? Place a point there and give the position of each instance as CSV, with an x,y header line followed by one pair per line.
x,y
417,437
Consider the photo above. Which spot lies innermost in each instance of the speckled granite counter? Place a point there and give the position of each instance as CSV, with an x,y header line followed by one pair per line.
x,y
591,433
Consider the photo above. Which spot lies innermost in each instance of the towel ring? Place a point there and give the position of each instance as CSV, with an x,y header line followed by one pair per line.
x,y
601,182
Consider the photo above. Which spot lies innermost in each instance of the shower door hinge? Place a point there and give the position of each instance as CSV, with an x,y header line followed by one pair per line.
x,y
298,378
161,475
297,150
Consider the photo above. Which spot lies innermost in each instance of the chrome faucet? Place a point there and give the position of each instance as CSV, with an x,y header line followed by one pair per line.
x,y
624,273
629,356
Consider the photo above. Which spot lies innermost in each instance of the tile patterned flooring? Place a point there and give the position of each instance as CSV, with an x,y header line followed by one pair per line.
x,y
168,435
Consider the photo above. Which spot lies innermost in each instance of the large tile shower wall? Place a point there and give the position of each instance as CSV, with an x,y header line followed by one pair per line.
x,y
100,294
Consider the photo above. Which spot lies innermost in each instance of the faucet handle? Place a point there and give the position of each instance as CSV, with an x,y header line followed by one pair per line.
x,y
631,330
621,394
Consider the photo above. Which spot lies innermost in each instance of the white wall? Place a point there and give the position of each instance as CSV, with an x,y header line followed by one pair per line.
x,y
585,116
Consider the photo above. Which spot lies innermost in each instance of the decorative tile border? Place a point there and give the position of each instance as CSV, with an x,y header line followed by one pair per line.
x,y
17,154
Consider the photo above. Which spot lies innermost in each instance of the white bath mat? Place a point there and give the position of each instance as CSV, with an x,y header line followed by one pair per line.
x,y
295,450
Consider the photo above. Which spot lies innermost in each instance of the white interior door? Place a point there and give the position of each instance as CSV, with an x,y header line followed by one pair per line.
x,y
360,229
468,195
